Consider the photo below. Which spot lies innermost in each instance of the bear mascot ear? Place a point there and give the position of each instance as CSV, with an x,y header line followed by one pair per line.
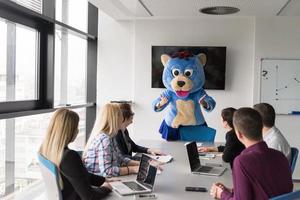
x,y
202,59
164,59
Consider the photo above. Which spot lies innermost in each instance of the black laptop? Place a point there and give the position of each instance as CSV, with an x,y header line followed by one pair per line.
x,y
195,163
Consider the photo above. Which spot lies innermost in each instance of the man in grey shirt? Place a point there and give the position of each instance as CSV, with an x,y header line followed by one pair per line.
x,y
272,135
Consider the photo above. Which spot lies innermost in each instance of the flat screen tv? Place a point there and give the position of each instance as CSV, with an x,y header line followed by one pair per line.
x,y
214,69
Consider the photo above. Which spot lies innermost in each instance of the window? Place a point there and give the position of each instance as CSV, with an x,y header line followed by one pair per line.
x,y
67,12
20,139
35,5
3,35
2,158
44,64
18,69
70,69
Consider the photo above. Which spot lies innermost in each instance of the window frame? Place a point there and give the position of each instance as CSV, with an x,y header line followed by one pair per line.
x,y
16,16
45,24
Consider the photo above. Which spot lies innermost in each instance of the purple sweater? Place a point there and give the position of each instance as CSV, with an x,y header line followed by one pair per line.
x,y
259,173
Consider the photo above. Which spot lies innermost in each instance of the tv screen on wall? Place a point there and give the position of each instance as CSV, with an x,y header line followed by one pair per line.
x,y
214,69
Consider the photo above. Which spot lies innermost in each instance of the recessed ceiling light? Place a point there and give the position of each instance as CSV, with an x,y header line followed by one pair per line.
x,y
219,10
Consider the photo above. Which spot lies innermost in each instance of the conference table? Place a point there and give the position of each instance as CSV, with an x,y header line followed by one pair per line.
x,y
176,175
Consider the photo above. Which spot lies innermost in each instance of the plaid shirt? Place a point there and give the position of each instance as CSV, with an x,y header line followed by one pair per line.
x,y
104,157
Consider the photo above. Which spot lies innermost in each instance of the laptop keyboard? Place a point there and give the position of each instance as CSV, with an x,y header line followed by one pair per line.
x,y
205,169
134,186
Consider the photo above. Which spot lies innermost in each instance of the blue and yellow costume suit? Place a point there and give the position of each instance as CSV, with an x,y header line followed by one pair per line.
x,y
183,76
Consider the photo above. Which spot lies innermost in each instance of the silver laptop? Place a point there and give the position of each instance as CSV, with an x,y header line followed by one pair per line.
x,y
195,164
144,182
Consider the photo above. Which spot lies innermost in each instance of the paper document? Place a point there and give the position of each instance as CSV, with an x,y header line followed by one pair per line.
x,y
199,144
163,159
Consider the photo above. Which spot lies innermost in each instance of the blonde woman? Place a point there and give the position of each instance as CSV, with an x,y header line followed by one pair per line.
x,y
102,155
75,181
126,145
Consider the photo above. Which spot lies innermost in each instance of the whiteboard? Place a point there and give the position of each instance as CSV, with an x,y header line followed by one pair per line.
x,y
280,84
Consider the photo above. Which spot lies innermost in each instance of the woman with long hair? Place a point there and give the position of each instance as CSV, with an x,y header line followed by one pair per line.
x,y
102,155
75,181
126,145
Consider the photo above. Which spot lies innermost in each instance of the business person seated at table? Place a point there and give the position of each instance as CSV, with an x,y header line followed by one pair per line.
x,y
75,181
102,155
126,145
233,147
271,134
259,172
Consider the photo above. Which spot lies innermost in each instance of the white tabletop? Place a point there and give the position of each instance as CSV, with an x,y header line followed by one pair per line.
x,y
171,183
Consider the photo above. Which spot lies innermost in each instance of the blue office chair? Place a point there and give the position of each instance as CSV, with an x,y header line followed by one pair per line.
x,y
294,153
197,133
289,196
51,178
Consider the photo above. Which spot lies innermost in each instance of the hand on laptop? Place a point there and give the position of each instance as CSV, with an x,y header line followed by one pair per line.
x,y
207,149
107,185
155,152
112,180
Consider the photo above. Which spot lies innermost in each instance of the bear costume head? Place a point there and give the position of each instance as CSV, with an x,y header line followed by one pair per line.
x,y
183,73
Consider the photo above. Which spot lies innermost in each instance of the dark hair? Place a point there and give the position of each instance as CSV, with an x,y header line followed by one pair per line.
x,y
267,113
126,110
249,122
227,115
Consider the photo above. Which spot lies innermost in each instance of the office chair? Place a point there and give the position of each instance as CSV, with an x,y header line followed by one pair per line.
x,y
294,153
289,196
197,133
51,178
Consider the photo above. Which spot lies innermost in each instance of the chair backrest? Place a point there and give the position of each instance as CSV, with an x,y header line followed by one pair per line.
x,y
51,178
289,196
197,133
294,153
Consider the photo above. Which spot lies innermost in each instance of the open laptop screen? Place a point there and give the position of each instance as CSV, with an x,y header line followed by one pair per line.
x,y
193,155
147,172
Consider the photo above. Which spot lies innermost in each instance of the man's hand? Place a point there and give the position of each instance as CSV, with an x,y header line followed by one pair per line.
x,y
216,190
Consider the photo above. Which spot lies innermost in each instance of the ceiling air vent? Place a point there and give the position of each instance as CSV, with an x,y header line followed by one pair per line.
x,y
219,10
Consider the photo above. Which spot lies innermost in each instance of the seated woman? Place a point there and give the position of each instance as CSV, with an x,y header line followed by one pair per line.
x,y
126,145
233,147
75,181
102,155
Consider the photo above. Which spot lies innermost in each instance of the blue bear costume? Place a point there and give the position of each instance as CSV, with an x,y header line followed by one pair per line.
x,y
183,76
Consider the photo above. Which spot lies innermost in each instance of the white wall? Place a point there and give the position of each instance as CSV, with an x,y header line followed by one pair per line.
x,y
125,63
122,37
278,37
115,60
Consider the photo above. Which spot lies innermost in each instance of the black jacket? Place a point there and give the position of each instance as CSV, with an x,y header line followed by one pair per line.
x,y
78,184
120,141
233,147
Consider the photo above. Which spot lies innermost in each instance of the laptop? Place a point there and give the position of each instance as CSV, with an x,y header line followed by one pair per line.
x,y
195,164
144,182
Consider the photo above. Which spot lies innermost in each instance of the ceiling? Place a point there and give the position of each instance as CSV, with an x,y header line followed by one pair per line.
x,y
135,9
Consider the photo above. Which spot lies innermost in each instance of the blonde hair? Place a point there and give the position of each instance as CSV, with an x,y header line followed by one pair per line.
x,y
109,122
62,130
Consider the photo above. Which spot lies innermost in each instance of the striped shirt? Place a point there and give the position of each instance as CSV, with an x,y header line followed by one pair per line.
x,y
103,157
